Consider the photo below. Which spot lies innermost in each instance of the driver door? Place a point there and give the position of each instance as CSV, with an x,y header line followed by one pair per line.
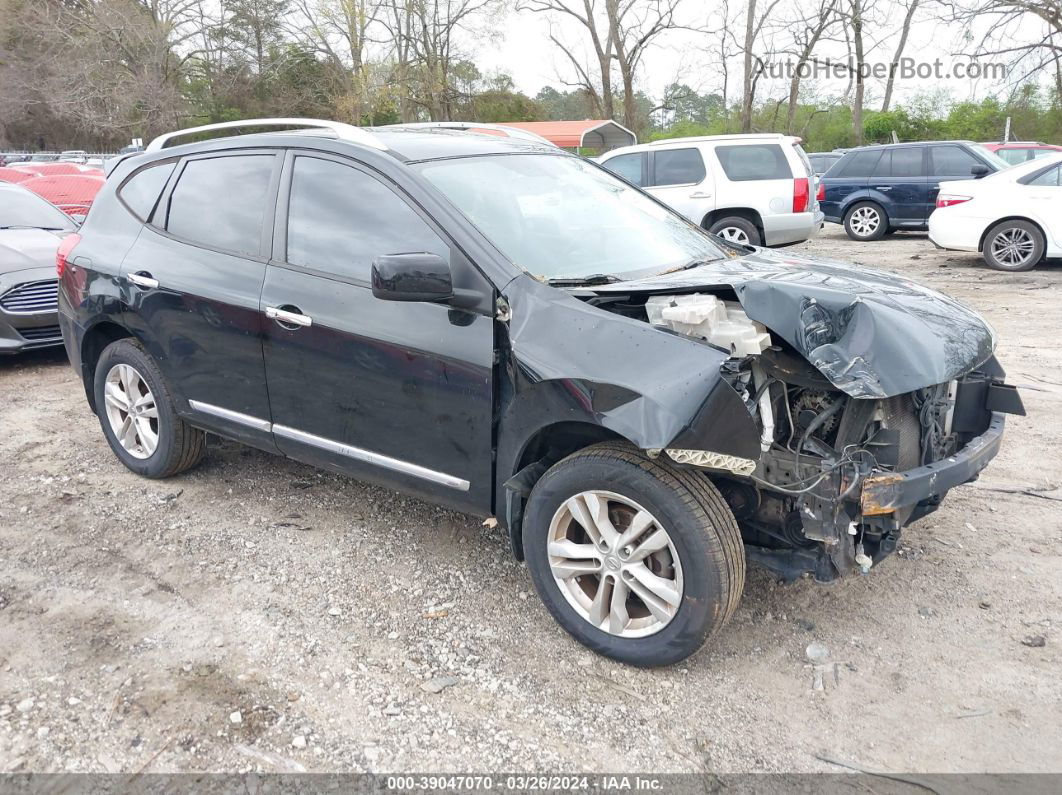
x,y
394,392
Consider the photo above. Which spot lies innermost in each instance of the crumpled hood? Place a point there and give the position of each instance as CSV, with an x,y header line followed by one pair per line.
x,y
22,249
872,334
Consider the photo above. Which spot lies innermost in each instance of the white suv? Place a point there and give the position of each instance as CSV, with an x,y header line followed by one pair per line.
x,y
751,189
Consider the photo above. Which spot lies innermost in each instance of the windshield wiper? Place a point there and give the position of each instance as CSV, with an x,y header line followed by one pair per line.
x,y
583,281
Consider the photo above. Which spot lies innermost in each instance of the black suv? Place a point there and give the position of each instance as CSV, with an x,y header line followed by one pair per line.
x,y
510,330
874,190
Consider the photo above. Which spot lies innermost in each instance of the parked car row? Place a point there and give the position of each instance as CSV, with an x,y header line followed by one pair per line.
x,y
1011,209
30,232
1013,218
69,186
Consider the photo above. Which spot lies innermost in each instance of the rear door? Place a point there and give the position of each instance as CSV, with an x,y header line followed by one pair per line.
x,y
192,282
900,181
400,393
679,179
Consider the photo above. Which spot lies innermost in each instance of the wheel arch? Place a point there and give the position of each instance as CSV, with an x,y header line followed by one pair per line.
x,y
994,224
748,213
93,343
542,449
867,199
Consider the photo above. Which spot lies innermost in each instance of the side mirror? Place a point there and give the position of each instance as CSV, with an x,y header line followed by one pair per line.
x,y
412,277
979,170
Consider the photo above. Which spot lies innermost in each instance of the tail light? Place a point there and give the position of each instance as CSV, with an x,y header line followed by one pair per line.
x,y
820,194
66,245
950,200
800,194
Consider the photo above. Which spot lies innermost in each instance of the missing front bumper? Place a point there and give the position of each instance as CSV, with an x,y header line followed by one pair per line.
x,y
889,492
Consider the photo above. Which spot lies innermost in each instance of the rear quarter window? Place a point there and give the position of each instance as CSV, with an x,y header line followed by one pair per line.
x,y
751,162
630,167
141,191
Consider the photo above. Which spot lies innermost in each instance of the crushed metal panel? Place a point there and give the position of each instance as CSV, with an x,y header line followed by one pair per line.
x,y
872,334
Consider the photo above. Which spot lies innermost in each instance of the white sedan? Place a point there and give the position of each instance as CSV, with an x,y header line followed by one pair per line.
x,y
1013,217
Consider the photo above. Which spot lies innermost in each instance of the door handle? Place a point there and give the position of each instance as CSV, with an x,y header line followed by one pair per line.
x,y
883,187
142,279
700,194
283,316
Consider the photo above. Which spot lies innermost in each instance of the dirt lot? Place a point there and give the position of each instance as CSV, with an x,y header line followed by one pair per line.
x,y
259,614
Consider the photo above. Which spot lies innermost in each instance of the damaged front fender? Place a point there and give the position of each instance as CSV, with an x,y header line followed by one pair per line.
x,y
567,361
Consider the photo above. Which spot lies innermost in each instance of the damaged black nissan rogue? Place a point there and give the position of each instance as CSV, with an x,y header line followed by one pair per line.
x,y
509,330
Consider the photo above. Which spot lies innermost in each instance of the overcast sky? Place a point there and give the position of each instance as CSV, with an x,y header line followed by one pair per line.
x,y
524,51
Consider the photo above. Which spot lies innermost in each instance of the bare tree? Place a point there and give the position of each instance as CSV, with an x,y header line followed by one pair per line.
x,y
810,27
1026,32
587,15
340,32
633,26
753,64
905,30
429,32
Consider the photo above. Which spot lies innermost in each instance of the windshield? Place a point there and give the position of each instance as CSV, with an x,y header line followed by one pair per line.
x,y
21,208
991,156
560,217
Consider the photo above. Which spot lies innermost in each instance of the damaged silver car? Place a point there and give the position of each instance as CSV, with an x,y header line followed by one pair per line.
x,y
511,331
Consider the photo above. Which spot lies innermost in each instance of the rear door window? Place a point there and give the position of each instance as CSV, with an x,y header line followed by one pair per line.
x,y
860,164
220,202
141,191
901,163
631,167
753,162
948,161
1051,178
677,167
340,219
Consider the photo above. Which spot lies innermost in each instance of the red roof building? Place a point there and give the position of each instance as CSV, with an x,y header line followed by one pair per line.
x,y
603,134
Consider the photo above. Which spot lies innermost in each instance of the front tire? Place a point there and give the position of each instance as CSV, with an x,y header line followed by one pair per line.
x,y
866,221
637,559
1013,246
136,412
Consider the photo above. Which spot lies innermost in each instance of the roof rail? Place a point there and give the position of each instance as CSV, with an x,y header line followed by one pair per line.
x,y
471,126
344,132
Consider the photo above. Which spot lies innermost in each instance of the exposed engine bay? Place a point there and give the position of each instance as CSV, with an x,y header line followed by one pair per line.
x,y
838,474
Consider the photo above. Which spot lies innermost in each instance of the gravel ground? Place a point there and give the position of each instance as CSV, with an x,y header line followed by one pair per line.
x,y
257,614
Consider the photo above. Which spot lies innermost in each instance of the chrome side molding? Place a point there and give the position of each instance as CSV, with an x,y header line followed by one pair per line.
x,y
232,416
368,456
332,446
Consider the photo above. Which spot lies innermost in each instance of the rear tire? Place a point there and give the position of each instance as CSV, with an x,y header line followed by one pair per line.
x,y
1013,246
137,414
866,221
699,571
735,229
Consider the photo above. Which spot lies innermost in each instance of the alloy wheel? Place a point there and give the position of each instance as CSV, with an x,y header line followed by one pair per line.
x,y
1013,247
865,221
131,411
734,235
615,564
